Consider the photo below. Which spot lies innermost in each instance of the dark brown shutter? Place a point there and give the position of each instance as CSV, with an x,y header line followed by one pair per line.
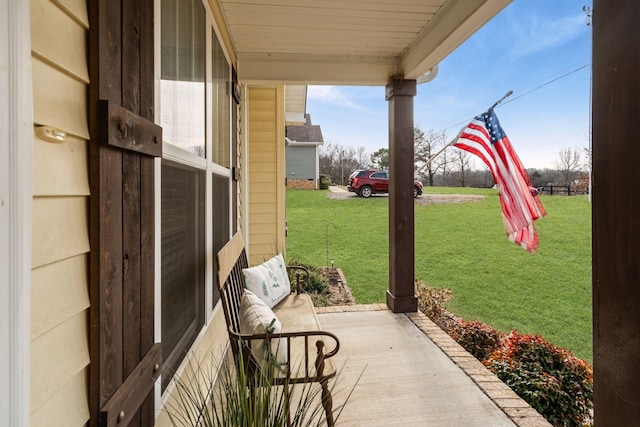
x,y
125,361
235,96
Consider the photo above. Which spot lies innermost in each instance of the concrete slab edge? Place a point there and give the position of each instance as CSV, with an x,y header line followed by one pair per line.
x,y
518,411
351,308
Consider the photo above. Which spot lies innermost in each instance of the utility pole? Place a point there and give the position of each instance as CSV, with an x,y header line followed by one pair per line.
x,y
589,15
342,168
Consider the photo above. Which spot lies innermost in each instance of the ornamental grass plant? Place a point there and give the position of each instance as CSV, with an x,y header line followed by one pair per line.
x,y
216,395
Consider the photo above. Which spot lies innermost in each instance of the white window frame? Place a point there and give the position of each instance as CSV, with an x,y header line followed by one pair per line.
x,y
175,154
16,159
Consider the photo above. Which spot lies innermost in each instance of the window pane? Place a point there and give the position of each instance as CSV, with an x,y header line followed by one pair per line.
x,y
182,84
182,262
220,221
221,101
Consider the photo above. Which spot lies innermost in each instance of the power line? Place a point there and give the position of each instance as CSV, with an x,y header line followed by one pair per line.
x,y
544,79
526,93
547,83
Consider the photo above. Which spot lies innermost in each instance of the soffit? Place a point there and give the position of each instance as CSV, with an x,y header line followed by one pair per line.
x,y
295,103
348,41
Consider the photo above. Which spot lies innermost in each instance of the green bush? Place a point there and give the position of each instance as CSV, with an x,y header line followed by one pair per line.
x,y
551,379
316,283
477,338
325,181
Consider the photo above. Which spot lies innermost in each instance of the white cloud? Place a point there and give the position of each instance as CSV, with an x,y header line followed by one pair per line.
x,y
538,34
335,95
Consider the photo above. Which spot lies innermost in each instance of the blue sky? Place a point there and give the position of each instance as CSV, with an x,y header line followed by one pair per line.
x,y
528,44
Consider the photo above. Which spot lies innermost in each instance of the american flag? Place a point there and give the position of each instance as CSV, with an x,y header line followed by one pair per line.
x,y
521,206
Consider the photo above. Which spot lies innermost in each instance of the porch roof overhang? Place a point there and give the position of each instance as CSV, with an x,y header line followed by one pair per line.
x,y
348,42
295,104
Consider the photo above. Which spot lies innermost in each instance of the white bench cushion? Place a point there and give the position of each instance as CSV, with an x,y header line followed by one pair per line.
x,y
269,280
257,318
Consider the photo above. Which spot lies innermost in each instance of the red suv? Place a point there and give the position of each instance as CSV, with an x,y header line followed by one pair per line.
x,y
365,183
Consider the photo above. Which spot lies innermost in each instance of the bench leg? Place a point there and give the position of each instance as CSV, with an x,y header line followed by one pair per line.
x,y
327,402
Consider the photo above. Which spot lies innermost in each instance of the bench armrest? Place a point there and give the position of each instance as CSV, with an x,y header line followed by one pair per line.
x,y
311,357
300,274
288,336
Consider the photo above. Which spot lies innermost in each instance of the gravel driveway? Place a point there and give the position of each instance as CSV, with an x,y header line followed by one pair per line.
x,y
425,199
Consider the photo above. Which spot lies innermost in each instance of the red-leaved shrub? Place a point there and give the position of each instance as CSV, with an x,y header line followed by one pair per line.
x,y
477,338
551,379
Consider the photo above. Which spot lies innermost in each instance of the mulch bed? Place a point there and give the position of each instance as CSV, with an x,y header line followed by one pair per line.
x,y
339,292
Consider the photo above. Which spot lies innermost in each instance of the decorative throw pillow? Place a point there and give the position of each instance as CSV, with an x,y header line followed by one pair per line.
x,y
257,318
269,280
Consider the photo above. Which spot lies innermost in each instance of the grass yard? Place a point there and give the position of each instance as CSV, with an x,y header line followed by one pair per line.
x,y
463,247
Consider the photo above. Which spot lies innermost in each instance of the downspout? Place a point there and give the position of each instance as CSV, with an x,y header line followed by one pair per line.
x,y
318,165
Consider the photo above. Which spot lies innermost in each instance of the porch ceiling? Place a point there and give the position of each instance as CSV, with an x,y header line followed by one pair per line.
x,y
348,41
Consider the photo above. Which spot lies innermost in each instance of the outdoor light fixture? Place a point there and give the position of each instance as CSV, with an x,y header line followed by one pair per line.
x,y
50,134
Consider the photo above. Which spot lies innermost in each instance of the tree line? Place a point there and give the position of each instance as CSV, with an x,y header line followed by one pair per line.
x,y
452,167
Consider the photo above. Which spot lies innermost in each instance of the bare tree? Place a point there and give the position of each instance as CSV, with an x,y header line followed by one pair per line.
x,y
337,161
588,162
426,144
479,178
363,158
463,161
445,160
327,158
569,165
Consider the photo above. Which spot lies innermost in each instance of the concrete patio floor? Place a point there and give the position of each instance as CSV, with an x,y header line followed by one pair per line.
x,y
414,374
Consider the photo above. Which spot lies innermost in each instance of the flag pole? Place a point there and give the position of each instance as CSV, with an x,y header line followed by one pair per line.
x,y
506,95
430,159
453,141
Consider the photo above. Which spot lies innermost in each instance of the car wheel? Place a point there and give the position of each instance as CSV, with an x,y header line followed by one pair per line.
x,y
366,191
416,193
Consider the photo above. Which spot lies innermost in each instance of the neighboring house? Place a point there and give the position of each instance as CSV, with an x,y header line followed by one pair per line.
x,y
302,154
138,136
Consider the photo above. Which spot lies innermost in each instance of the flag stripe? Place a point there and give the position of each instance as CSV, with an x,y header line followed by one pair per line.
x,y
485,138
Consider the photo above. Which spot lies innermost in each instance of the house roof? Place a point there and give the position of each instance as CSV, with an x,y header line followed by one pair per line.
x,y
307,133
348,41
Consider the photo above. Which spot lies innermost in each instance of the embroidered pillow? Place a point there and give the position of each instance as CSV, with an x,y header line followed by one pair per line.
x,y
269,280
257,318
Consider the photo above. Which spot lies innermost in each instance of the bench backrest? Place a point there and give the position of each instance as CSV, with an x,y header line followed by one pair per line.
x,y
232,258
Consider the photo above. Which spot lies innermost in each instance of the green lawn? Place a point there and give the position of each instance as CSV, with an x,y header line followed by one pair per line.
x,y
462,247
